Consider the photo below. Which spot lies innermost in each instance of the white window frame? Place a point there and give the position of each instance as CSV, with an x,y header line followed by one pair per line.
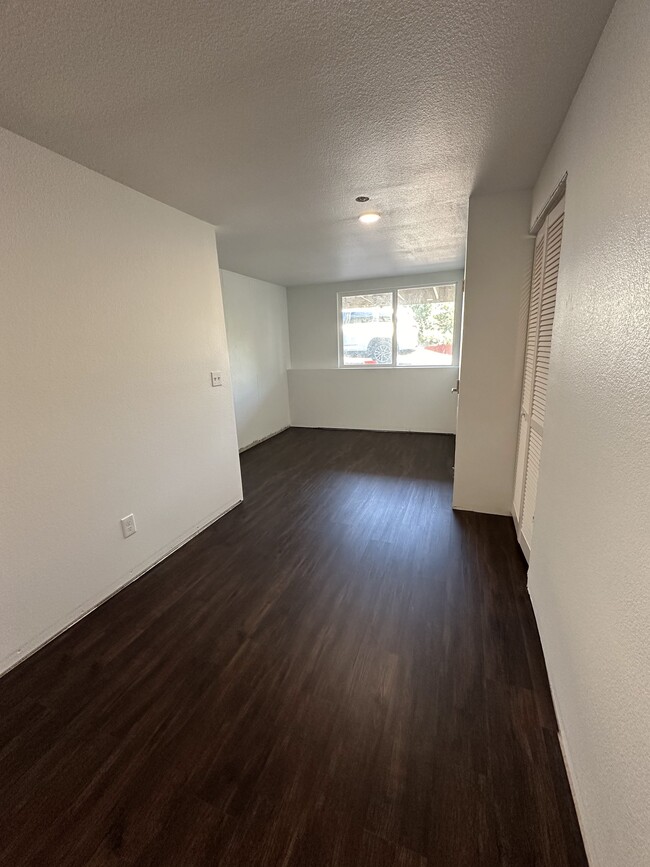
x,y
455,350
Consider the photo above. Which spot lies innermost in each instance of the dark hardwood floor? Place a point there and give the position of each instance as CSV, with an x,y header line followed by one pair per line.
x,y
341,671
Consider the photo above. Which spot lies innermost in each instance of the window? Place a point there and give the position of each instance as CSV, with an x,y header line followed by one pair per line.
x,y
400,328
367,328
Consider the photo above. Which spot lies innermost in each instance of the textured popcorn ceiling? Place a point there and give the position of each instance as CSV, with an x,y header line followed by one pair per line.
x,y
267,118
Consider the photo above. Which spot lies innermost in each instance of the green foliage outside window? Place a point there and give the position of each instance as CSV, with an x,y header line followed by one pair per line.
x,y
435,322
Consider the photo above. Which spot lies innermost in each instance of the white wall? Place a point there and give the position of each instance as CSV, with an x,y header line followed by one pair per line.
x,y
370,399
322,395
590,563
258,342
497,285
111,323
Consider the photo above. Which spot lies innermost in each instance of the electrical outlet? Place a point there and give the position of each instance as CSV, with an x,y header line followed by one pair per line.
x,y
128,526
216,378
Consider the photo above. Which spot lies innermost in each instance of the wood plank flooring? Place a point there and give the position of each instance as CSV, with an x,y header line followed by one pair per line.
x,y
342,671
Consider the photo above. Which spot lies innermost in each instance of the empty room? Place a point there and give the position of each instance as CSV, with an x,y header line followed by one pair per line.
x,y
325,439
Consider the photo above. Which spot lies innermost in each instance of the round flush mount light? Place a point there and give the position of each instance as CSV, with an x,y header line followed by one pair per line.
x,y
362,199
370,217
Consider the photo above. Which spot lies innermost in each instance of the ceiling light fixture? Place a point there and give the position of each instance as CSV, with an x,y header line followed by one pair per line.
x,y
370,217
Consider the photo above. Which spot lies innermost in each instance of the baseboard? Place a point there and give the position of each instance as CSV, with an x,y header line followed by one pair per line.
x,y
580,812
264,439
438,433
566,758
500,513
89,606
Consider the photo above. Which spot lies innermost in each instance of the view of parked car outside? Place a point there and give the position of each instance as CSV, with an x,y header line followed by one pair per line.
x,y
424,323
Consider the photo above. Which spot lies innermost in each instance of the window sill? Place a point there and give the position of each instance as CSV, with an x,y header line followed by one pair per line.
x,y
395,367
440,367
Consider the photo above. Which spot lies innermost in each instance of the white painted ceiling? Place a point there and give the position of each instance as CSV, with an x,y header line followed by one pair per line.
x,y
267,117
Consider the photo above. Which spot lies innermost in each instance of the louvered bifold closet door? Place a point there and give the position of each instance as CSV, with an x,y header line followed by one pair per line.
x,y
546,317
551,265
529,372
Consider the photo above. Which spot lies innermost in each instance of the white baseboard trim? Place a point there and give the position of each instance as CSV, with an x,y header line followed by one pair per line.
x,y
77,614
580,812
441,433
264,439
566,757
480,511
